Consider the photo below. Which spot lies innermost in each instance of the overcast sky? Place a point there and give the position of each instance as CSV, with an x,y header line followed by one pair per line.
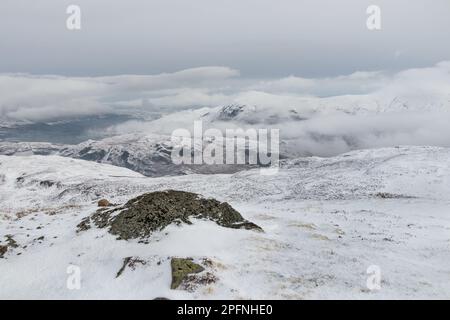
x,y
260,38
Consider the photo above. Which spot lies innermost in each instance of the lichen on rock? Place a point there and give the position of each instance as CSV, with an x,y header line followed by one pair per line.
x,y
181,269
154,211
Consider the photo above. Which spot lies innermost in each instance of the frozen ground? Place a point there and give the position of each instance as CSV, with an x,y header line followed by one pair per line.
x,y
326,220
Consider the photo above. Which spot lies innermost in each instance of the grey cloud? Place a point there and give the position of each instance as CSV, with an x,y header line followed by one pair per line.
x,y
262,38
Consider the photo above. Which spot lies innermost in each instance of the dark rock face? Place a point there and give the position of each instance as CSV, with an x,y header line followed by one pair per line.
x,y
386,195
11,242
130,262
3,250
230,112
150,212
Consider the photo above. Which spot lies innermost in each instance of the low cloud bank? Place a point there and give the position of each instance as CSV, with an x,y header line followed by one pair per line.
x,y
324,116
44,98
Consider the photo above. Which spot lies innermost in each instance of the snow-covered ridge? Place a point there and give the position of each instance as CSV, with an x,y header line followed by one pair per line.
x,y
403,172
149,154
303,108
326,220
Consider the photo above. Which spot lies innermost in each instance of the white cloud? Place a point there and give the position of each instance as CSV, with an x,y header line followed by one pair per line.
x,y
355,83
411,107
39,98
47,98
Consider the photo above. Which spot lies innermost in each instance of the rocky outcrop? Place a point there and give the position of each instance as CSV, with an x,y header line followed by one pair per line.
x,y
154,211
181,268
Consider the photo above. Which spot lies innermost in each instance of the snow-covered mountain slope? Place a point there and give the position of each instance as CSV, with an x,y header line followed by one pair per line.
x,y
270,111
149,154
325,221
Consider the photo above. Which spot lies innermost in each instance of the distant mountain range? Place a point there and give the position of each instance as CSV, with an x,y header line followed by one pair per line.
x,y
148,150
